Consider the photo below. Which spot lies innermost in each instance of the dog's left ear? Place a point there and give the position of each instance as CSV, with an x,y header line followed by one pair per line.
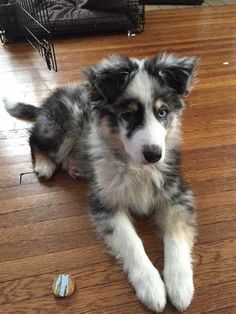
x,y
177,72
109,78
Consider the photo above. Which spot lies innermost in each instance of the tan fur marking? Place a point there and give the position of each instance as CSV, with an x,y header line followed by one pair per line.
x,y
158,103
132,107
40,158
111,137
181,224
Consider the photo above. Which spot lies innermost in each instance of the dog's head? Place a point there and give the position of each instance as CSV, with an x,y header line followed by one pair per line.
x,y
138,103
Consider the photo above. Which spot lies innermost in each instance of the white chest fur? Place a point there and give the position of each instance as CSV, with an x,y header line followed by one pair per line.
x,y
128,185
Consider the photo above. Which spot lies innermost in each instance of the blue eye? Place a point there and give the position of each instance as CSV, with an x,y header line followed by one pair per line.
x,y
163,113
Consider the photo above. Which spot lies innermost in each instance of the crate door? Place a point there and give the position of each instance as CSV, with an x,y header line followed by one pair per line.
x,y
32,16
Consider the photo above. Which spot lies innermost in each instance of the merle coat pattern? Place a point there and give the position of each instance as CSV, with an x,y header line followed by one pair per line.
x,y
121,130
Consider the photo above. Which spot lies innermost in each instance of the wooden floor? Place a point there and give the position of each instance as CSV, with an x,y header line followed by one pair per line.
x,y
45,228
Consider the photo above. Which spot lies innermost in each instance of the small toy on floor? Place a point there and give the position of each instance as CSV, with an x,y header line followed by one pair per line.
x,y
63,286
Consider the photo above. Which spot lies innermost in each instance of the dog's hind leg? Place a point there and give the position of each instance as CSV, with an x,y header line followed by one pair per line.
x,y
119,234
49,144
72,168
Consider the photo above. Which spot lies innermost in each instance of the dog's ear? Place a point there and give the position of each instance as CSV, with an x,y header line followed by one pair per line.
x,y
177,72
109,78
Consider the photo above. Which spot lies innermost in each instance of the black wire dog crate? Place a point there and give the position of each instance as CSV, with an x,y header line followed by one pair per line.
x,y
38,20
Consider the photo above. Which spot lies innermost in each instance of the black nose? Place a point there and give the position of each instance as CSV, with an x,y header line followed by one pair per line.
x,y
152,153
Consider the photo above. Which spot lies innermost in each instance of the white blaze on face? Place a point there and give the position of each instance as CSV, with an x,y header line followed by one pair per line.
x,y
152,133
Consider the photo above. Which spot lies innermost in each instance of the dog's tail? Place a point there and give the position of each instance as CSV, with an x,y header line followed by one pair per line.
x,y
21,110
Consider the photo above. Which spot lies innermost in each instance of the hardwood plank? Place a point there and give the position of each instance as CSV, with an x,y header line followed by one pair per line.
x,y
216,156
214,186
214,263
53,262
39,214
222,199
200,175
43,229
10,174
29,196
217,231
217,214
229,310
49,244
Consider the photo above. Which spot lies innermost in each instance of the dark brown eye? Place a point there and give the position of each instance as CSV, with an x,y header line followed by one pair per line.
x,y
126,116
163,113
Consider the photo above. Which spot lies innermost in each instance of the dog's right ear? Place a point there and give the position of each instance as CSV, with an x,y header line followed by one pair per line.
x,y
109,78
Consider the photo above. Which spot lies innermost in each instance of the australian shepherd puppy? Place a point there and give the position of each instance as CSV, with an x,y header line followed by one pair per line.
x,y
121,129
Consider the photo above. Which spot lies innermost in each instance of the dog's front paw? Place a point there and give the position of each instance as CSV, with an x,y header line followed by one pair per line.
x,y
179,285
150,290
45,169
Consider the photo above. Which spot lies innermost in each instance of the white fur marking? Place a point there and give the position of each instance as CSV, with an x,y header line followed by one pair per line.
x,y
178,274
10,103
141,86
153,133
127,247
45,168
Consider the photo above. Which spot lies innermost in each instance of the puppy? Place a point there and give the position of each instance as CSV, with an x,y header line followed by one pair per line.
x,y
121,129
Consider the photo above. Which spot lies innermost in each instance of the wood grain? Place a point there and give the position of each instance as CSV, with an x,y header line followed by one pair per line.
x,y
45,228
